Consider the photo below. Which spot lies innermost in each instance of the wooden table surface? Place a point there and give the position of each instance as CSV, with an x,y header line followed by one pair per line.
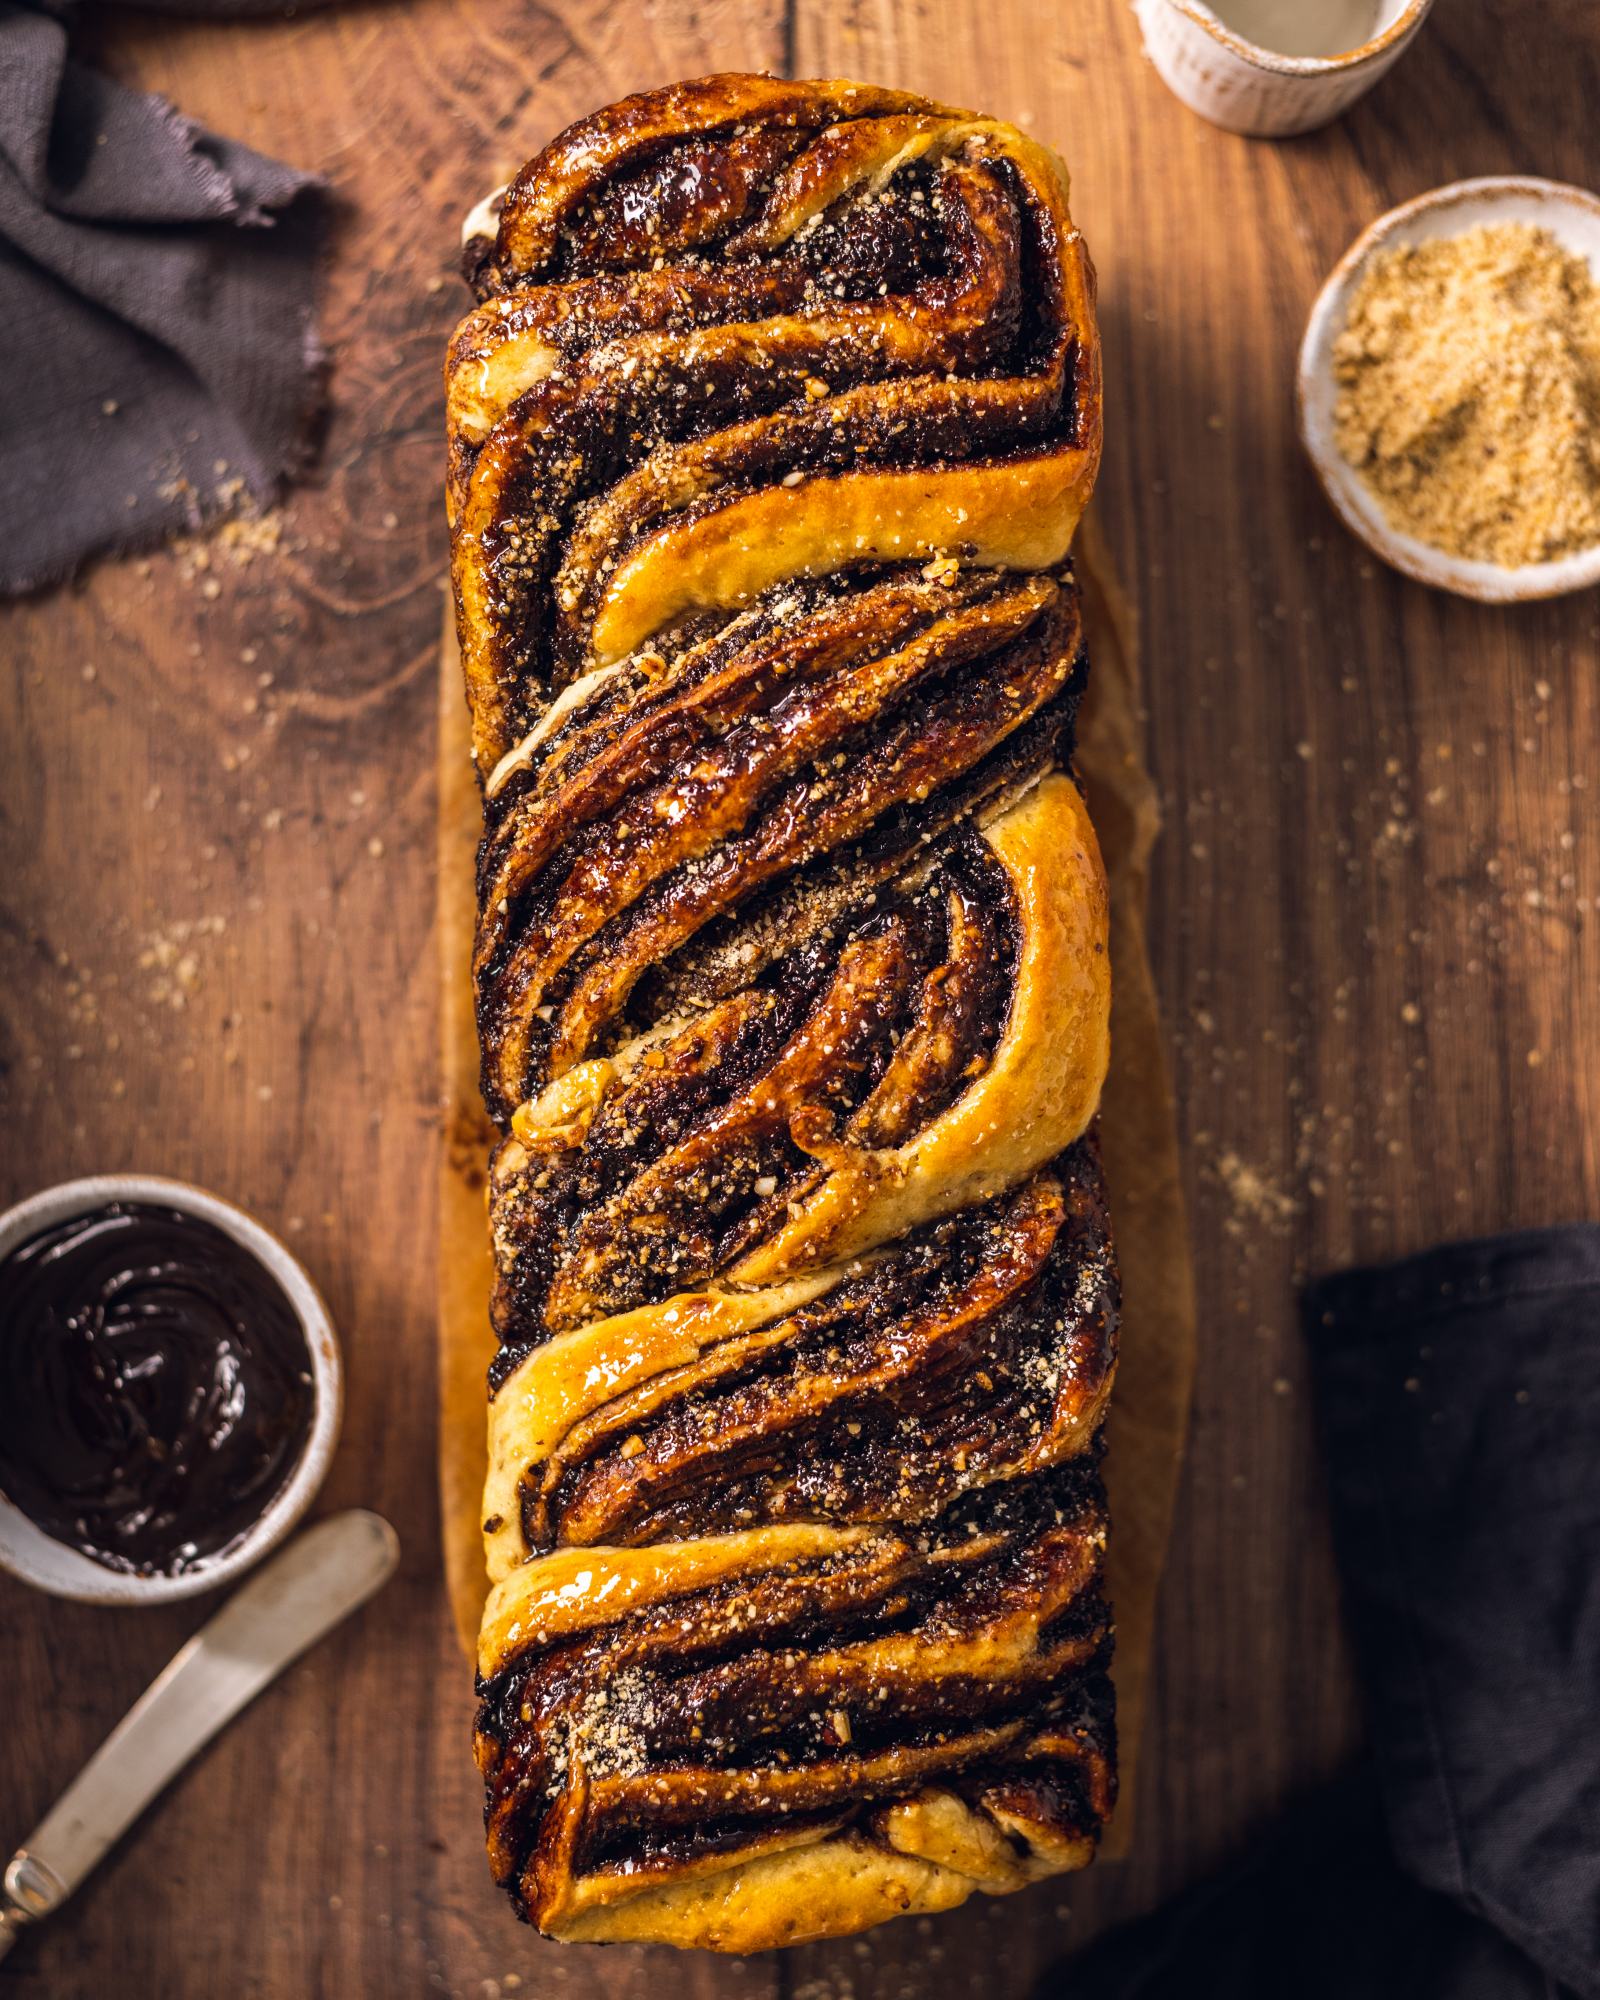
x,y
1375,928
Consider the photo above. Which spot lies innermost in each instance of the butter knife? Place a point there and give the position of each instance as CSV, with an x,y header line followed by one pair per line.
x,y
286,1606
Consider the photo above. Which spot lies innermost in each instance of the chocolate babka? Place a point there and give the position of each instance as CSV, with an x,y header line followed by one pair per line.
x,y
768,438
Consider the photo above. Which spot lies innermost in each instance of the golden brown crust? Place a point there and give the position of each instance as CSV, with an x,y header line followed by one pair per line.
x,y
599,150
694,379
767,445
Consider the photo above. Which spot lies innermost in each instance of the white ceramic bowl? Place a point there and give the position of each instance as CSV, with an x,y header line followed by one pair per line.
x,y
1572,216
1253,90
28,1552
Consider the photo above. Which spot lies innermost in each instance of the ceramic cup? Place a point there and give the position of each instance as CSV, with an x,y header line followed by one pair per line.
x,y
1254,90
28,1552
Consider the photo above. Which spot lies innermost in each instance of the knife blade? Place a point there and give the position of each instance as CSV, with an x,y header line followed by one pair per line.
x,y
288,1605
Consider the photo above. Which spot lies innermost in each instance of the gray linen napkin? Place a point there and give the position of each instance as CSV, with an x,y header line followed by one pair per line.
x,y
157,344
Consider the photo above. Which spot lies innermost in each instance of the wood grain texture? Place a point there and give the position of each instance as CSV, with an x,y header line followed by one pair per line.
x,y
1374,926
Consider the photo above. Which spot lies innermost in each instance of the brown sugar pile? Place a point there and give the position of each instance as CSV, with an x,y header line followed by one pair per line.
x,y
1469,378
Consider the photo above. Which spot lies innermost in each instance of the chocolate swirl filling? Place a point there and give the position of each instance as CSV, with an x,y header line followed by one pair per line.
x,y
767,438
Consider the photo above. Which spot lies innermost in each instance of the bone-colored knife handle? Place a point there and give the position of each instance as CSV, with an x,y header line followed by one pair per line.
x,y
289,1604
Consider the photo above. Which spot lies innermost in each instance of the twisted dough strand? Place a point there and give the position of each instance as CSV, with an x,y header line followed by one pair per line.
x,y
767,441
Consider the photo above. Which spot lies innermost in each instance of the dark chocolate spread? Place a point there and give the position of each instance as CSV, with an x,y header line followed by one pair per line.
x,y
155,1386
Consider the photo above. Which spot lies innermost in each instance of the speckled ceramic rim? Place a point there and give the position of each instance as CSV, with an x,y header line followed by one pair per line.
x,y
1445,211
27,1552
1269,59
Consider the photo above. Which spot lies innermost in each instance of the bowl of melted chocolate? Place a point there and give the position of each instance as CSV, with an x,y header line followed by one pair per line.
x,y
169,1390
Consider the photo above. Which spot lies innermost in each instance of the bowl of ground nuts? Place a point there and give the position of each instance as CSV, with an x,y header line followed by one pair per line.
x,y
1449,388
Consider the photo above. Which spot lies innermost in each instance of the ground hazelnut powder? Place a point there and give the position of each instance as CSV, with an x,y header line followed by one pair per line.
x,y
1469,378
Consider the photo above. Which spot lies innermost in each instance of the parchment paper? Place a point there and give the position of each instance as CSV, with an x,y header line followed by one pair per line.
x,y
1150,1405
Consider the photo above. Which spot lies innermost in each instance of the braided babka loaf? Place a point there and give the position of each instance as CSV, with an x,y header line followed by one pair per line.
x,y
767,442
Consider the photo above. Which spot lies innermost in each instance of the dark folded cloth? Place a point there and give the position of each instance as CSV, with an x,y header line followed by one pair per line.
x,y
1459,1399
1460,1402
1318,1911
156,293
